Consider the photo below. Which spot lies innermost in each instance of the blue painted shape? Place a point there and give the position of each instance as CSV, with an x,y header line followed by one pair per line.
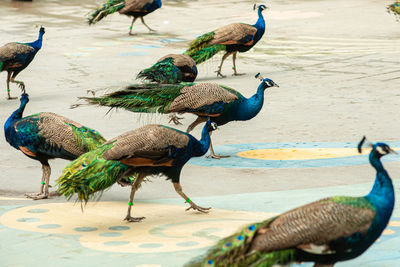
x,y
38,210
132,54
119,228
235,161
85,229
28,219
49,226
146,46
172,40
150,245
110,234
116,243
187,244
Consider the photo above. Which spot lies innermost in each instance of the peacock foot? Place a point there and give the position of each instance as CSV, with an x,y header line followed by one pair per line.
x,y
219,74
198,208
217,156
11,97
175,119
133,219
37,196
238,74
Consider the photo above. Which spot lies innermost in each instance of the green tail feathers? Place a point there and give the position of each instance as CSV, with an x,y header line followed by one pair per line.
x,y
162,72
90,173
108,8
87,139
150,98
200,50
234,251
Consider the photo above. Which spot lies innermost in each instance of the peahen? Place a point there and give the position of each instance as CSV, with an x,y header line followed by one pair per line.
x,y
14,57
172,68
221,103
45,136
134,8
149,150
232,38
325,232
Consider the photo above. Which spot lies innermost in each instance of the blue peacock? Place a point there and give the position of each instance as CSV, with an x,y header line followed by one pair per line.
x,y
325,232
132,8
172,68
232,38
129,158
44,136
221,103
15,57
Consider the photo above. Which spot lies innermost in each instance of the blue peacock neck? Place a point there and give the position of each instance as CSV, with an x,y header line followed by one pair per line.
x,y
260,25
202,146
38,43
15,116
250,107
382,193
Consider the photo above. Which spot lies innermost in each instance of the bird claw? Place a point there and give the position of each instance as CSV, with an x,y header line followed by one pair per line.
x,y
219,74
91,91
214,156
175,119
198,208
133,219
11,97
21,85
238,74
37,196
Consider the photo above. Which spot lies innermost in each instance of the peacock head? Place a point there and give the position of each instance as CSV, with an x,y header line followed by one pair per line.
x,y
265,83
260,7
41,30
24,98
378,149
211,126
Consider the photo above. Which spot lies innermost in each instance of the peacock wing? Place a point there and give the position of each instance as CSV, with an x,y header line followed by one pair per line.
x,y
180,60
316,226
135,6
146,146
14,51
235,33
199,95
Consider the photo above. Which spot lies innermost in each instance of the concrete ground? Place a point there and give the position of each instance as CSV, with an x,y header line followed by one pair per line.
x,y
337,65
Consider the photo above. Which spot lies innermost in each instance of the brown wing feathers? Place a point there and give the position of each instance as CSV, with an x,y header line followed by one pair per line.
x,y
232,34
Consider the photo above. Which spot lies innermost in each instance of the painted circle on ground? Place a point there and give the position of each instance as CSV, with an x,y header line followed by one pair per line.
x,y
291,155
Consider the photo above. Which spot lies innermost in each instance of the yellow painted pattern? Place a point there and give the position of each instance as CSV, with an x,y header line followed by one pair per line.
x,y
301,153
166,228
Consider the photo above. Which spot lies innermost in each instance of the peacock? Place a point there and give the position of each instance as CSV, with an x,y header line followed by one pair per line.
x,y
327,231
134,8
221,103
172,68
232,38
15,57
45,136
131,157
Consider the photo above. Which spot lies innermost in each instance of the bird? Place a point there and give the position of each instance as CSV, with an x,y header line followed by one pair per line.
x,y
326,231
232,38
15,57
129,158
218,102
44,136
132,8
172,68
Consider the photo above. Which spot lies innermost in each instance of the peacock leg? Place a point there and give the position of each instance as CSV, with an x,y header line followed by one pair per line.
x,y
212,153
44,187
8,86
178,189
235,73
20,83
219,74
175,119
134,187
130,28
144,23
195,123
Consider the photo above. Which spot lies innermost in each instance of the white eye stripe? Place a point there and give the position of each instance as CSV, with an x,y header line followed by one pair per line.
x,y
380,150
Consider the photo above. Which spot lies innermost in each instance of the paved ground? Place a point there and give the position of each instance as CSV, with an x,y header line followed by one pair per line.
x,y
337,64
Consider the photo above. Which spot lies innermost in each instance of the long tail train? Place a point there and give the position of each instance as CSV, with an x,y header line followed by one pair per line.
x,y
111,6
